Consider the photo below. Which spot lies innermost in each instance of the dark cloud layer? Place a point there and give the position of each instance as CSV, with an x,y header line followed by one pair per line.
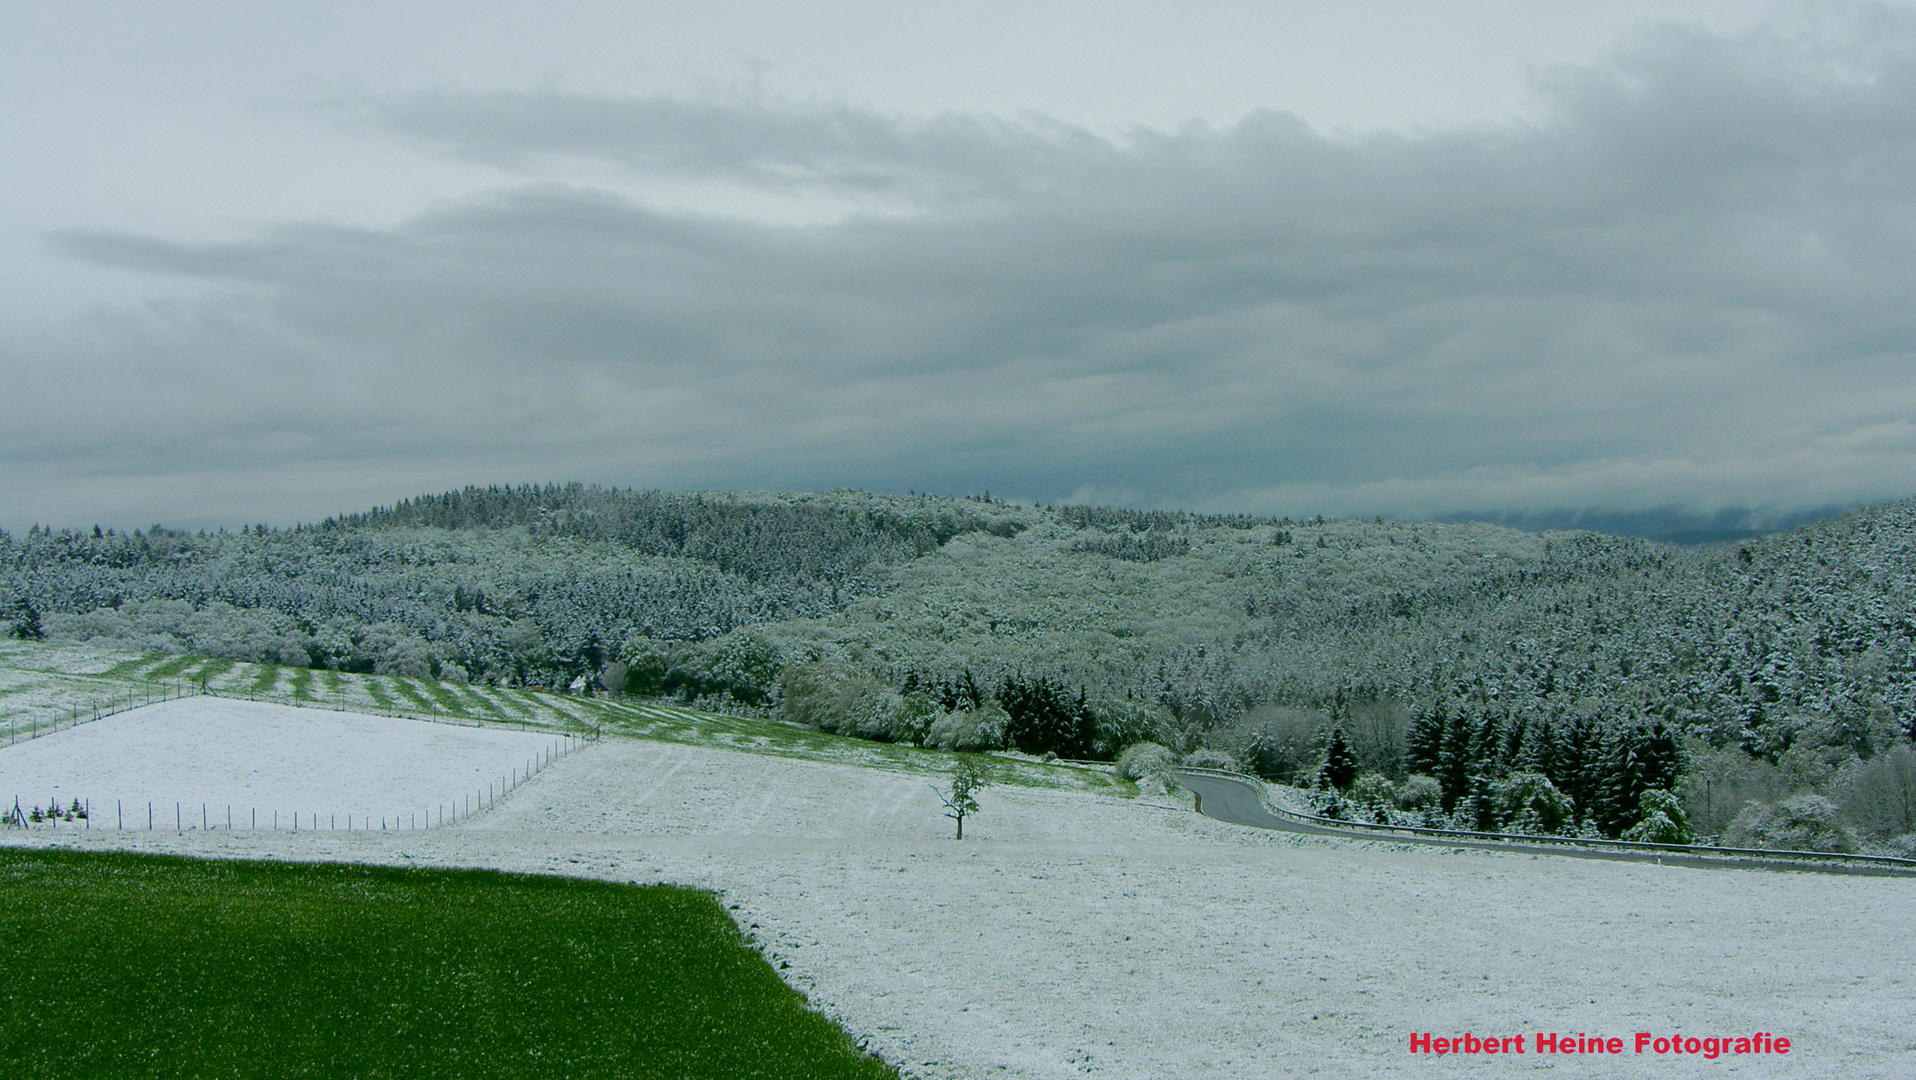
x,y
1686,286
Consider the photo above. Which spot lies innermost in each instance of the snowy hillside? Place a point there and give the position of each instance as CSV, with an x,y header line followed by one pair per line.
x,y
1073,934
1774,670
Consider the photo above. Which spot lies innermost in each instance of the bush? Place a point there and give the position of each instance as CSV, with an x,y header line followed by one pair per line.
x,y
1529,803
1140,760
1419,793
1880,794
1212,759
1374,790
878,715
1899,847
646,663
1282,743
1118,724
1799,823
968,730
817,695
1662,820
831,697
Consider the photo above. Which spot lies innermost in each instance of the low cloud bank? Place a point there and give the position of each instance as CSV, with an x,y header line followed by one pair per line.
x,y
1685,288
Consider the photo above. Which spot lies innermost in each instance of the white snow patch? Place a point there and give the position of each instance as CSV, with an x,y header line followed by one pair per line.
x,y
215,753
1076,935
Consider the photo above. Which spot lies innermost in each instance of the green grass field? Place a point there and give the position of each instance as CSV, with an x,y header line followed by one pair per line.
x,y
123,965
41,683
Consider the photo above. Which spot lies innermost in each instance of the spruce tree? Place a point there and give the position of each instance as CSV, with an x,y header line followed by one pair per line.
x,y
1453,758
23,620
1340,765
1043,718
1579,764
1643,757
1424,742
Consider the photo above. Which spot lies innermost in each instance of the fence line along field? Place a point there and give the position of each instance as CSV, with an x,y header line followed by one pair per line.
x,y
209,762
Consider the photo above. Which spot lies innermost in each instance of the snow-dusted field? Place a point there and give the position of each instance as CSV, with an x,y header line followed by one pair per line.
x,y
208,756
1073,935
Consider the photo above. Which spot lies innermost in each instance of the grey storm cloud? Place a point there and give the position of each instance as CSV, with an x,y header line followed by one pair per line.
x,y
1685,283
772,144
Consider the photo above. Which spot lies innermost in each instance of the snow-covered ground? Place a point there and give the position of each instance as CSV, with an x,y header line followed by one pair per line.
x,y
1073,934
210,760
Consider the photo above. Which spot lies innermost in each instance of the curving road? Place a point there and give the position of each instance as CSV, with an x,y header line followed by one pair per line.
x,y
1239,802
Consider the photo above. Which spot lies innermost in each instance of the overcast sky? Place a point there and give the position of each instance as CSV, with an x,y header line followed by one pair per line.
x,y
270,262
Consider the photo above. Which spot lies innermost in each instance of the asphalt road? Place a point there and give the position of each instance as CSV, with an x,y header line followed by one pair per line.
x,y
1240,803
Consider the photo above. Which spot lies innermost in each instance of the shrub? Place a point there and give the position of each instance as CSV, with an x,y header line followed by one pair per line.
x,y
1282,743
1336,807
1662,820
1140,760
1212,759
833,697
1373,790
1420,792
968,730
1799,823
1529,803
1880,794
878,715
1118,724
1900,847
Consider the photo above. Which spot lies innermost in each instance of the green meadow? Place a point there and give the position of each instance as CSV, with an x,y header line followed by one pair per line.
x,y
125,965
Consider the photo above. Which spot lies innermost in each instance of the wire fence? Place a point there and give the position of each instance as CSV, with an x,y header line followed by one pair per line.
x,y
150,816
99,708
154,692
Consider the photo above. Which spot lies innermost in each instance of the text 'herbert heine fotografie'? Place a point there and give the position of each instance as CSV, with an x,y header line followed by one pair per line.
x,y
1641,1042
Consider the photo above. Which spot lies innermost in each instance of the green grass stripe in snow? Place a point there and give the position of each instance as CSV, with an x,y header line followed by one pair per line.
x,y
407,693
447,696
480,704
265,678
146,666
301,684
214,673
409,697
136,965
536,708
376,689
168,668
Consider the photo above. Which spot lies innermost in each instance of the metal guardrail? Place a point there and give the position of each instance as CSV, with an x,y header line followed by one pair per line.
x,y
1561,841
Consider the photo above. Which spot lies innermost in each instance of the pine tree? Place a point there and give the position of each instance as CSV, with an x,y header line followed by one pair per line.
x,y
1043,719
1453,759
1424,742
1643,757
1579,762
1339,770
23,620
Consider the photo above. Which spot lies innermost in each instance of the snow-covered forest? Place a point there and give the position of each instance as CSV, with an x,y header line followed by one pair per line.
x,y
1553,679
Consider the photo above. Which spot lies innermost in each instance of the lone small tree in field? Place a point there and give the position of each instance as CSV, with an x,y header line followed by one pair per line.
x,y
970,775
